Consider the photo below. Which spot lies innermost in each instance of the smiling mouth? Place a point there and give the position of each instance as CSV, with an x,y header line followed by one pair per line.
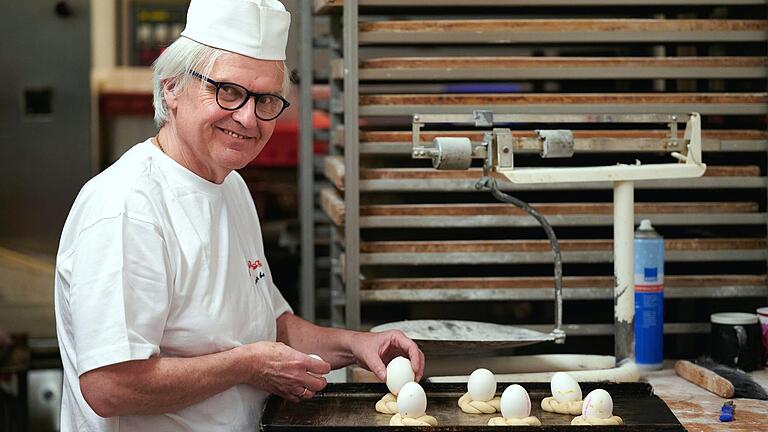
x,y
234,134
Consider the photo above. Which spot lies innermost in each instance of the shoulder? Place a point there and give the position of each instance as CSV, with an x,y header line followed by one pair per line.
x,y
235,183
132,186
237,189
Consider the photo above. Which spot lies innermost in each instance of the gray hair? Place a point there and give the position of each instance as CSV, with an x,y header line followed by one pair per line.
x,y
176,61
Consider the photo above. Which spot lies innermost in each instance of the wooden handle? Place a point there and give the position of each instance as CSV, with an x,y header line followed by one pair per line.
x,y
705,378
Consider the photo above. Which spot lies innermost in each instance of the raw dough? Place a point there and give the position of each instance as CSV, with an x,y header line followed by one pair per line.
x,y
501,421
587,421
387,404
470,406
551,404
424,420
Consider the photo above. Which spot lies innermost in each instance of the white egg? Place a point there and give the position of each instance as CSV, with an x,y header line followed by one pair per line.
x,y
412,401
399,372
515,402
598,404
565,388
481,385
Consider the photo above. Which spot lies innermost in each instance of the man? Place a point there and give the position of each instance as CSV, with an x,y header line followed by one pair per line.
x,y
167,314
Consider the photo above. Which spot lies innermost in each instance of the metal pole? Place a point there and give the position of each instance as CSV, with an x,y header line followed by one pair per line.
x,y
337,119
624,286
351,167
306,166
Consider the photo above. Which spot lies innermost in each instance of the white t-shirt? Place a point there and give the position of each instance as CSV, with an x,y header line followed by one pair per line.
x,y
156,261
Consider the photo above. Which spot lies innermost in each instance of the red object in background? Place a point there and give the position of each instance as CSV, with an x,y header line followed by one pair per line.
x,y
282,150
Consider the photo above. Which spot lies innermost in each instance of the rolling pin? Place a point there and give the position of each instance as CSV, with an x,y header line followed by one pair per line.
x,y
705,378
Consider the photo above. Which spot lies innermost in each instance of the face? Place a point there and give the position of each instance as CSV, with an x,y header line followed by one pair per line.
x,y
212,141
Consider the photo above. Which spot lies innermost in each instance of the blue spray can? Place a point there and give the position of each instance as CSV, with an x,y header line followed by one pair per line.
x,y
649,297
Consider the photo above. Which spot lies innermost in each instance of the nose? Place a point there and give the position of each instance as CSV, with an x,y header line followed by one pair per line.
x,y
246,114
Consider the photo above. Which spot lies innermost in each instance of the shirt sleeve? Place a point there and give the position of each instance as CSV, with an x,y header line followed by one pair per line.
x,y
279,305
120,292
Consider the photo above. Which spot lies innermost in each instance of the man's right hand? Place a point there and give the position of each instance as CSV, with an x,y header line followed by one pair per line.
x,y
279,369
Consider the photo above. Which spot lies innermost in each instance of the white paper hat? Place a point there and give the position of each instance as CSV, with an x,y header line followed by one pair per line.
x,y
253,28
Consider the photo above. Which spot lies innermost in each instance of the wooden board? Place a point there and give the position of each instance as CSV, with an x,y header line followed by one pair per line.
x,y
542,282
561,30
350,407
559,62
427,136
698,409
512,26
476,173
333,204
489,68
334,171
330,6
725,103
333,167
564,99
553,209
590,245
326,6
585,141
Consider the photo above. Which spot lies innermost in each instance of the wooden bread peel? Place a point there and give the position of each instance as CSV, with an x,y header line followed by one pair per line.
x,y
705,378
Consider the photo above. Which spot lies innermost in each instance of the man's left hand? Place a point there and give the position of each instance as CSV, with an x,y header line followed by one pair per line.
x,y
374,350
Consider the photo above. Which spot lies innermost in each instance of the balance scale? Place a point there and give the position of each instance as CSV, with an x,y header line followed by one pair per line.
x,y
497,151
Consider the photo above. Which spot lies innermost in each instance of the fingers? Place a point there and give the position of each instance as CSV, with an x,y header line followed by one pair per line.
x,y
288,373
412,351
376,366
317,367
295,394
307,394
314,383
417,360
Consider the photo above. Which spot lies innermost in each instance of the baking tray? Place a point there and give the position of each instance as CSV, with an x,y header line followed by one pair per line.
x,y
350,407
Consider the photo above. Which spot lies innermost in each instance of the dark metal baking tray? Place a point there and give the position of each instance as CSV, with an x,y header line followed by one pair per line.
x,y
350,407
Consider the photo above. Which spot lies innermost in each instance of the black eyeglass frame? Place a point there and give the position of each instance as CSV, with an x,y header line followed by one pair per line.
x,y
249,94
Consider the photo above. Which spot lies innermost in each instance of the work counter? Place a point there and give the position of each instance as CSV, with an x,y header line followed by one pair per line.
x,y
698,410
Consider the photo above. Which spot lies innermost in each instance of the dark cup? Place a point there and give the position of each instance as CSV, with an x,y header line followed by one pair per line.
x,y
736,340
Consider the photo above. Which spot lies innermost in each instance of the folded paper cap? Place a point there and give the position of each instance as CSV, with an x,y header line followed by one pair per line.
x,y
253,28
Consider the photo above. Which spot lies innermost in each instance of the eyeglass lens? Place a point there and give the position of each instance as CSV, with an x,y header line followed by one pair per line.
x,y
232,96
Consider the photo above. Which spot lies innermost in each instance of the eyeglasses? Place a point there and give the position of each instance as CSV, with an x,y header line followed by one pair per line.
x,y
231,97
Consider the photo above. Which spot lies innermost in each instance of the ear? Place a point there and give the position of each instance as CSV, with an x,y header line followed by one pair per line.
x,y
170,94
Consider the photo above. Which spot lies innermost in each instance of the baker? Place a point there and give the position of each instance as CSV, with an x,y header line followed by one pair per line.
x,y
167,314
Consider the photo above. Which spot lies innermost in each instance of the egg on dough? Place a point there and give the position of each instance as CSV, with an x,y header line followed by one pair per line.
x,y
399,372
565,388
412,401
481,385
515,402
597,404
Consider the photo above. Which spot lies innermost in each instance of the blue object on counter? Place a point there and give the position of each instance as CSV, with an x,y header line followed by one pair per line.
x,y
649,297
726,412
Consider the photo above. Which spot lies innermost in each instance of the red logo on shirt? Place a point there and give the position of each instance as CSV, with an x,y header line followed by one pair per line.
x,y
253,269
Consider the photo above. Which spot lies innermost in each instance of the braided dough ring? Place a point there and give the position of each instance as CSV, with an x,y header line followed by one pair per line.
x,y
586,421
551,404
470,406
424,420
387,404
501,421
